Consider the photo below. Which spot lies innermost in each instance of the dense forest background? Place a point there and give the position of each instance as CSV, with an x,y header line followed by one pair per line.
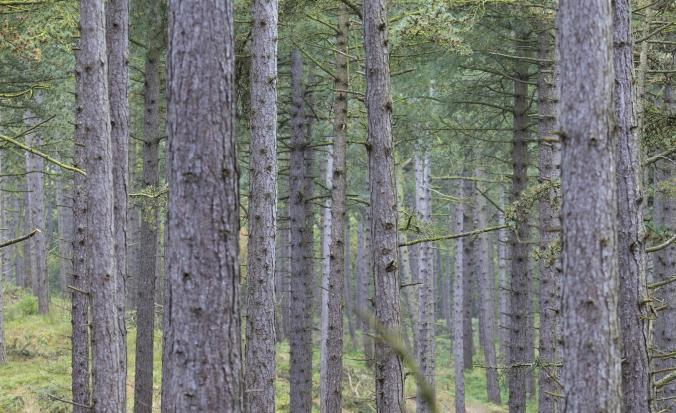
x,y
258,217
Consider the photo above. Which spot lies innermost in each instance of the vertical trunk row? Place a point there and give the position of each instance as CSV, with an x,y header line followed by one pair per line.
x,y
458,307
202,361
486,298
108,366
300,333
117,43
260,321
425,350
550,263
36,217
632,312
80,285
149,225
591,352
520,301
665,262
388,367
331,400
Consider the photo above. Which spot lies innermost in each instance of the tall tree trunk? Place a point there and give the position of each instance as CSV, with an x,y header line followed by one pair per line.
x,y
80,291
3,276
486,298
468,261
117,43
149,225
388,366
502,240
27,273
331,400
425,350
300,333
458,307
201,358
107,358
326,171
364,281
550,225
260,324
35,186
632,311
591,371
133,231
520,300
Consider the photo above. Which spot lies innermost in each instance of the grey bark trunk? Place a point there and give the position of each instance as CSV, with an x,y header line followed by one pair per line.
x,y
117,43
425,350
550,225
486,298
326,170
202,358
300,333
149,211
27,250
458,308
589,210
80,291
133,231
260,323
632,311
108,372
331,400
364,281
520,300
35,197
469,266
3,275
348,295
389,376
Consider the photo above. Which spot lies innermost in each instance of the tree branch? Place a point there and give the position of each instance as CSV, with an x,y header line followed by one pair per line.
x,y
453,236
17,240
661,246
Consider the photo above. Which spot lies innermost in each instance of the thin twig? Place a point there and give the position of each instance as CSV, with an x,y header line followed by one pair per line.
x,y
17,240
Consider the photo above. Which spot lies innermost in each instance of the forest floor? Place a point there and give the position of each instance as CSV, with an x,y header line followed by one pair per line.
x,y
36,377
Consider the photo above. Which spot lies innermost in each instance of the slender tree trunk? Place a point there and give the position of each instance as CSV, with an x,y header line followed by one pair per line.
x,y
458,308
520,301
107,358
35,185
486,298
388,367
550,225
589,210
468,262
27,273
202,360
149,223
632,311
331,400
80,284
117,43
425,350
326,170
260,333
133,231
445,286
364,281
300,333
408,317
3,276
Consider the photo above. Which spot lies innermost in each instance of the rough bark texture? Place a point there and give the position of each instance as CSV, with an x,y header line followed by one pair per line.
x,y
300,329
35,197
108,373
502,238
486,298
591,350
202,361
364,281
80,302
458,309
388,367
348,294
469,265
133,229
326,171
632,311
260,322
331,400
149,225
550,225
520,301
117,43
425,349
